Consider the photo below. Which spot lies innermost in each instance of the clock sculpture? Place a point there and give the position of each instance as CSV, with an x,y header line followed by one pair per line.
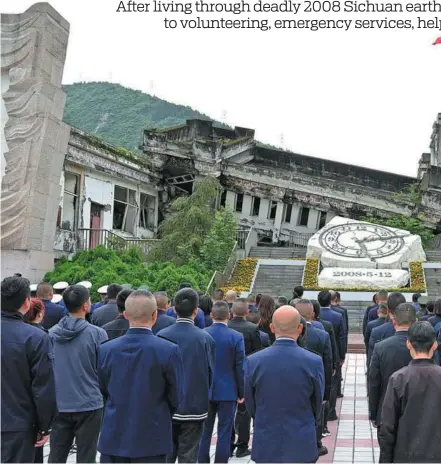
x,y
353,253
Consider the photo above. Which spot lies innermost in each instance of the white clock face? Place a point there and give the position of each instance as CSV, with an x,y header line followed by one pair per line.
x,y
359,240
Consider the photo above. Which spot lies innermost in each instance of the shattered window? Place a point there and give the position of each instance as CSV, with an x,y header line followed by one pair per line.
x,y
69,213
125,209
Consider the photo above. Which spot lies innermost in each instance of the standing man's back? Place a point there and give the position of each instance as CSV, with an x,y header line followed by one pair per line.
x,y
79,400
228,384
108,312
28,387
150,393
119,326
163,320
285,402
410,430
53,313
198,352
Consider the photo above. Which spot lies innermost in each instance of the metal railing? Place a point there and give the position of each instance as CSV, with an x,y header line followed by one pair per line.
x,y
88,239
252,239
241,238
299,240
219,279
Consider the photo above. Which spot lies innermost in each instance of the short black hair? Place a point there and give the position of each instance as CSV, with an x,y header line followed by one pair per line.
x,y
382,294
113,290
74,297
184,285
337,294
316,307
282,300
218,294
220,310
437,306
122,297
258,297
299,290
15,291
405,314
415,297
394,300
324,298
430,306
186,301
206,304
421,336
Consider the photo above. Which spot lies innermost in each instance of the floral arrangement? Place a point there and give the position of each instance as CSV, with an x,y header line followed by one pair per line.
x,y
417,279
242,276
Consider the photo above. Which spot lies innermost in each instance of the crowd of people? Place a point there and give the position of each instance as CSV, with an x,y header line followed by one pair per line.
x,y
142,377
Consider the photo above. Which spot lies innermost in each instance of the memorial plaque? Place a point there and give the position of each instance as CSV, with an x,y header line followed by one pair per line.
x,y
337,277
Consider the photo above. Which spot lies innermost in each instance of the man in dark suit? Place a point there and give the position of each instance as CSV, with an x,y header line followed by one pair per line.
x,y
285,402
387,329
141,378
410,430
253,344
228,384
120,325
389,356
337,321
372,312
27,384
319,343
53,313
163,320
198,355
336,306
109,311
382,314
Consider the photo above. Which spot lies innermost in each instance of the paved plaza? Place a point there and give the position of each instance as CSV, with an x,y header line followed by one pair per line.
x,y
353,439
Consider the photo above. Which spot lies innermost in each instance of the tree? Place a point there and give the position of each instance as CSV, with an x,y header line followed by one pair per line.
x,y
182,232
220,240
413,225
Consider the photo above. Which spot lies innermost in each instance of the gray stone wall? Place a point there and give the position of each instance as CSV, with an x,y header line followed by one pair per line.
x,y
34,140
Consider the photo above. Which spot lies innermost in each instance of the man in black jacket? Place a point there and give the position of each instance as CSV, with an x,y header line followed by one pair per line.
x,y
382,318
109,311
389,356
410,429
119,326
28,386
253,344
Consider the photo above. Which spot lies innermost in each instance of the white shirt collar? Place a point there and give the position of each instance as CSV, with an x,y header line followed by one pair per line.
x,y
285,338
145,328
187,320
217,322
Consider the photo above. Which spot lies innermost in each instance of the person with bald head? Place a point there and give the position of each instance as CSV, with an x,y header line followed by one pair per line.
x,y
198,354
284,388
318,342
141,378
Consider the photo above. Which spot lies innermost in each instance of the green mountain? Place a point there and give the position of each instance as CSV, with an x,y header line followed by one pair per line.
x,y
119,114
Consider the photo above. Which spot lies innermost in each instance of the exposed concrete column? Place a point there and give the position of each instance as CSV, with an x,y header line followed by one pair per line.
x,y
231,199
295,215
246,206
313,219
264,208
278,222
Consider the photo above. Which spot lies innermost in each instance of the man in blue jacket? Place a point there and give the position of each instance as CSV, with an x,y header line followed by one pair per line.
x,y
79,399
284,386
53,313
141,377
338,323
28,387
198,353
228,384
162,319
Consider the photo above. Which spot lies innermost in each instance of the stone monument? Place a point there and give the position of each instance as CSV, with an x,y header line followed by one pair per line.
x,y
34,138
360,254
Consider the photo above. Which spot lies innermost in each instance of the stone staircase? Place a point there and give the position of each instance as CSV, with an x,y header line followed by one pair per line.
x,y
356,310
433,281
277,252
278,280
433,255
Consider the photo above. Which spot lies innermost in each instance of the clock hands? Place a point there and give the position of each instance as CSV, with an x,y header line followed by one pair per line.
x,y
376,238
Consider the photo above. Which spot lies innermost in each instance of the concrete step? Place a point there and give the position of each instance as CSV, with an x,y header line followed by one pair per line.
x,y
356,343
433,255
277,280
277,252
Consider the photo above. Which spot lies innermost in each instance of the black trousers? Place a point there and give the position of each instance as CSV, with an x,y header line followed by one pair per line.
x,y
39,456
84,427
242,424
339,380
186,441
333,395
18,446
106,459
320,426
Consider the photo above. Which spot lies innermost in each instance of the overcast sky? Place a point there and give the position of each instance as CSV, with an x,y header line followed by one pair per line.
x,y
362,97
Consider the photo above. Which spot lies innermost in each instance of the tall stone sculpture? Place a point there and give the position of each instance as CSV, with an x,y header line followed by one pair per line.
x,y
34,138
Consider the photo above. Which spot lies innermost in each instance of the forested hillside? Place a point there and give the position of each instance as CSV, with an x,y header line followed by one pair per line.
x,y
119,114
